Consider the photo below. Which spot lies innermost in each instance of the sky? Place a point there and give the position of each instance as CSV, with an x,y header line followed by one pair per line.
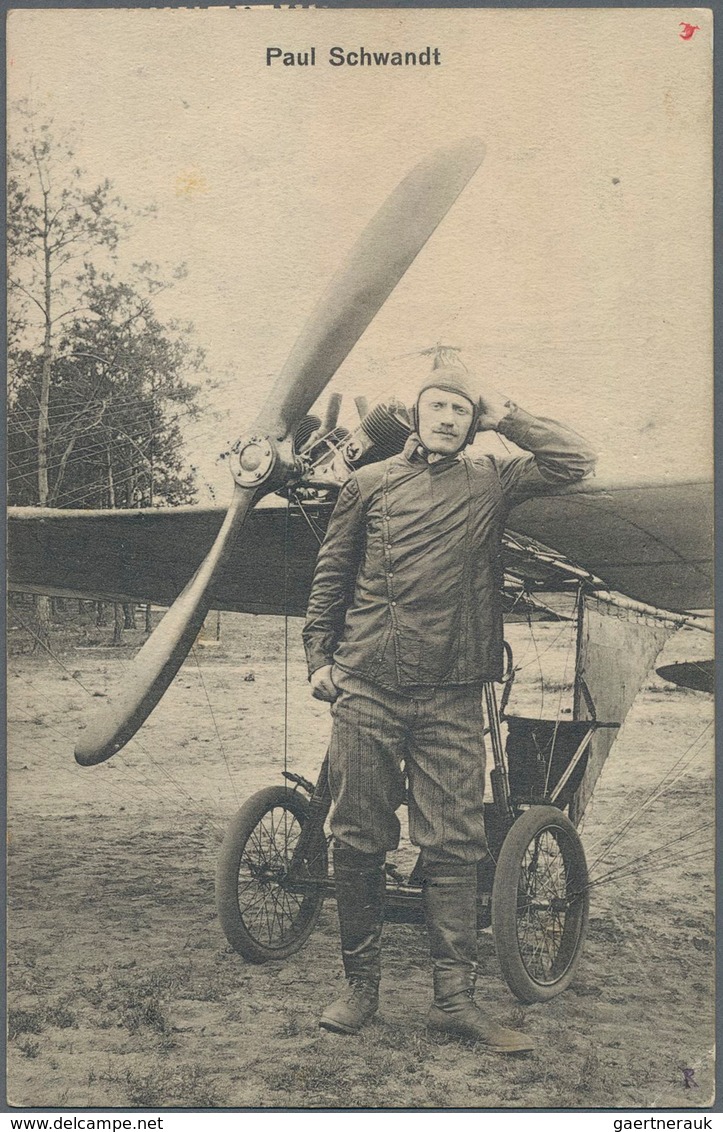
x,y
574,272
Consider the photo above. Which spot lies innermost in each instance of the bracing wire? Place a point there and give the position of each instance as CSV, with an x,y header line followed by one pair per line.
x,y
657,866
307,518
182,792
78,495
39,640
658,790
85,437
540,653
628,868
539,663
563,685
76,409
215,725
86,447
108,789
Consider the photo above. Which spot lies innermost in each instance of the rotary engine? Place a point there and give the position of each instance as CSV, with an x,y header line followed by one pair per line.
x,y
382,432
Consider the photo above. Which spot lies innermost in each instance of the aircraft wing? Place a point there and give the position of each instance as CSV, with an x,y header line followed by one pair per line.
x,y
149,555
652,542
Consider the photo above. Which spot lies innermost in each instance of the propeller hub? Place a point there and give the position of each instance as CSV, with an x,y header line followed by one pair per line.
x,y
253,457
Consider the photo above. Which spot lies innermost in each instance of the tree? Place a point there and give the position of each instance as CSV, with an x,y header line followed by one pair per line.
x,y
120,395
55,224
99,387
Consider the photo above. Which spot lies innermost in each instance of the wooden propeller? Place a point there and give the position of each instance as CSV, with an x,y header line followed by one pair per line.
x,y
263,456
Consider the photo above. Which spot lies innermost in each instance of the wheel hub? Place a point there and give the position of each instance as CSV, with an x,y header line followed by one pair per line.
x,y
267,875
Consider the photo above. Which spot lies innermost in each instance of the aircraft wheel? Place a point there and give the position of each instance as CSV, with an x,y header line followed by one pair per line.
x,y
263,914
540,904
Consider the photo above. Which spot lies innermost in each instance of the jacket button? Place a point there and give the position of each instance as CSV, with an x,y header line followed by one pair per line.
x,y
394,603
390,575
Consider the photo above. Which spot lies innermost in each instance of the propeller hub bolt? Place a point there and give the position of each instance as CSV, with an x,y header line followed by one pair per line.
x,y
253,458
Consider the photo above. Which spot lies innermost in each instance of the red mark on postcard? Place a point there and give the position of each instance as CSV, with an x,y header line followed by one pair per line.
x,y
688,31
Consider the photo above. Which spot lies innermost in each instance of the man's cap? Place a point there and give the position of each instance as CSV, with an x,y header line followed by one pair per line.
x,y
453,380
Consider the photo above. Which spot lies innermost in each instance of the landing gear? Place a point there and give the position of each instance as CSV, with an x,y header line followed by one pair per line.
x,y
540,904
267,908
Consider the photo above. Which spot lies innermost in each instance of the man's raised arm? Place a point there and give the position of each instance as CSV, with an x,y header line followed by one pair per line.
x,y
555,454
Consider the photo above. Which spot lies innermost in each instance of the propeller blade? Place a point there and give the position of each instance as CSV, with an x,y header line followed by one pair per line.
x,y
155,665
376,263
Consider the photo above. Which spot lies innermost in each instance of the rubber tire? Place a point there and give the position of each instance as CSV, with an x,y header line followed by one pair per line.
x,y
240,931
506,892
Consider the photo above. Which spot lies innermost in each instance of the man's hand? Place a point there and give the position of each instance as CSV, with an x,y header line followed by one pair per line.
x,y
322,685
493,407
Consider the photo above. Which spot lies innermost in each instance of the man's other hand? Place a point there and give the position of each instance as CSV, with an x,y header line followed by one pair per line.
x,y
493,406
322,685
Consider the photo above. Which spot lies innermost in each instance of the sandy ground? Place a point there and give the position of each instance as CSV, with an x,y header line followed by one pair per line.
x,y
124,992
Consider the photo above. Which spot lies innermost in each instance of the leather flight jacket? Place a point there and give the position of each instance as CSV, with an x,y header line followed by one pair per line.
x,y
407,586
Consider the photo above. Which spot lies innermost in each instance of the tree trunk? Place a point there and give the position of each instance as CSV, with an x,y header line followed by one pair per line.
x,y
129,615
118,622
42,619
46,374
149,618
42,604
101,617
111,482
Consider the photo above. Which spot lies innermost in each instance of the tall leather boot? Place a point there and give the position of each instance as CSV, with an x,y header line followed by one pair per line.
x,y
450,909
360,883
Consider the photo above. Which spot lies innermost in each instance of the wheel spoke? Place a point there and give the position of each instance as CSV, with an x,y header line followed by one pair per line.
x,y
271,917
538,915
546,931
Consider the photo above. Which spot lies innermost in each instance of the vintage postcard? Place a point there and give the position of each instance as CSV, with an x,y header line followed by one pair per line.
x,y
452,268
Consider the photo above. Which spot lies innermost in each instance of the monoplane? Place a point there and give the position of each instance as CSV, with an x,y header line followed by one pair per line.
x,y
636,557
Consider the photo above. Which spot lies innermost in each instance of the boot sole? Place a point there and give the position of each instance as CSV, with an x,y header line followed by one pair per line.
x,y
341,1020
328,1022
470,1039
340,1028
337,1027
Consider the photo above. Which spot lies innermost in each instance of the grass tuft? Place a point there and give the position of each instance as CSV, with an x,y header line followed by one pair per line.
x,y
29,1047
310,1078
25,1022
60,1016
185,1086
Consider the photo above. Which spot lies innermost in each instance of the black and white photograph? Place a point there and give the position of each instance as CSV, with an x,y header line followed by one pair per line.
x,y
360,559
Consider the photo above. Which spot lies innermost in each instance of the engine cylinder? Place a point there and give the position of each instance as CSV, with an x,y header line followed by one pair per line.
x,y
305,429
387,426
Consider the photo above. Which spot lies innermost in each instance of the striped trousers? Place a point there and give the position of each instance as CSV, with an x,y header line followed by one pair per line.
x,y
438,739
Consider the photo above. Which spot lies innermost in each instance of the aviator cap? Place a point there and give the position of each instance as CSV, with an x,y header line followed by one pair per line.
x,y
453,380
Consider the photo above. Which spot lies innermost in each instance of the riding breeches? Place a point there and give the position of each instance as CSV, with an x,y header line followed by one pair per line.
x,y
439,741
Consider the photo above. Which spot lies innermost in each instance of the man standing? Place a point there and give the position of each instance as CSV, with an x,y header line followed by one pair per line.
x,y
403,627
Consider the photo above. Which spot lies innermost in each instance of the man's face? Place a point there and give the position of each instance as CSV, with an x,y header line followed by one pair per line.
x,y
444,420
